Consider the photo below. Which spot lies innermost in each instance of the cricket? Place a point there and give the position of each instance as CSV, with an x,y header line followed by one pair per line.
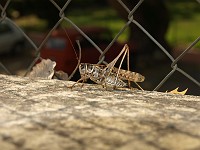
x,y
108,75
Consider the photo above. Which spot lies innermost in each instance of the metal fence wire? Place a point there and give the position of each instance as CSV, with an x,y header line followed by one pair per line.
x,y
131,20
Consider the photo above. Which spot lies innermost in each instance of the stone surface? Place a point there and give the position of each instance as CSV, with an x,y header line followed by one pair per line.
x,y
47,114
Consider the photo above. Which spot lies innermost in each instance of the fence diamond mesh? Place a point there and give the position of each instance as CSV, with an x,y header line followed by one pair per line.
x,y
130,20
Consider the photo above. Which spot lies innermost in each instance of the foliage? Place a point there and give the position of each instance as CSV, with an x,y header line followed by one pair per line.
x,y
175,91
185,16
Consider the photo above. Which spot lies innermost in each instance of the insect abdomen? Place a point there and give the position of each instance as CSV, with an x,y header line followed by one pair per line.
x,y
129,75
112,81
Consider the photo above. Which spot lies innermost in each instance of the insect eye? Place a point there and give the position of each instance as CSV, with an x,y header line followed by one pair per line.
x,y
82,66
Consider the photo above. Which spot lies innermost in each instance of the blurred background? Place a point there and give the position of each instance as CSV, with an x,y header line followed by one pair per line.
x,y
175,24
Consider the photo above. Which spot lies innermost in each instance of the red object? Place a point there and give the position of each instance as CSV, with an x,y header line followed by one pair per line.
x,y
59,47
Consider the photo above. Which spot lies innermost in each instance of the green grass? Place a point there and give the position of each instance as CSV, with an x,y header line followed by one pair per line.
x,y
32,23
185,23
103,17
183,30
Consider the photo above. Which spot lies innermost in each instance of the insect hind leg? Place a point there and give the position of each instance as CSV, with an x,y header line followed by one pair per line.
x,y
83,79
125,50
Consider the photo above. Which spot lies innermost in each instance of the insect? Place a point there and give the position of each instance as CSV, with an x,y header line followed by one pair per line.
x,y
98,74
108,75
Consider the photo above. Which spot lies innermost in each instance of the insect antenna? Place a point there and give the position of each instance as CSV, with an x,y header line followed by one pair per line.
x,y
78,58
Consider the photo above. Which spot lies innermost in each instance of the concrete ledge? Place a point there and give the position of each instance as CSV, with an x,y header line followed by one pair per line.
x,y
45,114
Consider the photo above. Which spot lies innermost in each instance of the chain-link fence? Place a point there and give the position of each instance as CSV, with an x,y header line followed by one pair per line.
x,y
64,18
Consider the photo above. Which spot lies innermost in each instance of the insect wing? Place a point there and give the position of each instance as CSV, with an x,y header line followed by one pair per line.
x,y
129,75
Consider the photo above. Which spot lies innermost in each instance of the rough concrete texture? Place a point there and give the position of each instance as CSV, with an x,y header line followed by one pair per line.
x,y
46,114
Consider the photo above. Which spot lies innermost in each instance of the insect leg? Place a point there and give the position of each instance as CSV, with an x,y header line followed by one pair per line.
x,y
125,50
83,79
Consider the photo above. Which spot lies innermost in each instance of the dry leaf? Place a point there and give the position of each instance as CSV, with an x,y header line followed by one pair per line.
x,y
44,69
175,91
61,75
